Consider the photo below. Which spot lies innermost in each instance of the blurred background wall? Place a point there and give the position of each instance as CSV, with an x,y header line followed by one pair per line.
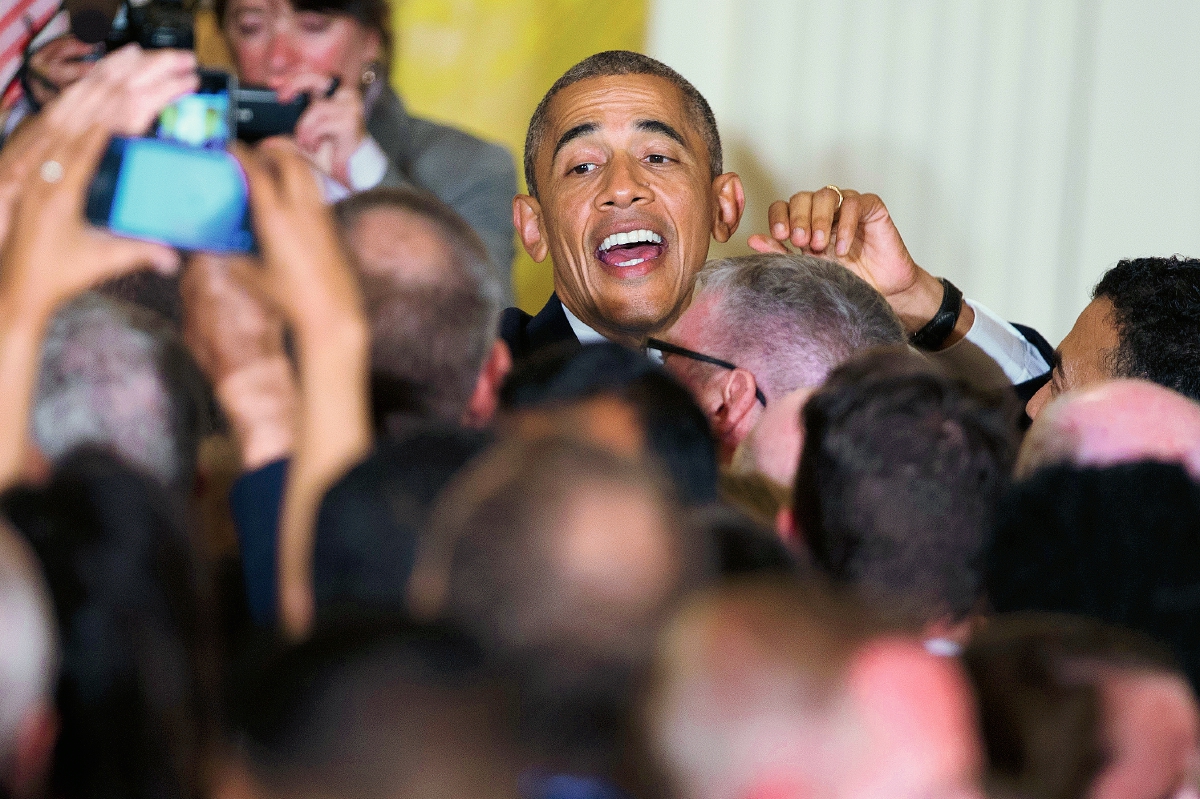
x,y
1023,146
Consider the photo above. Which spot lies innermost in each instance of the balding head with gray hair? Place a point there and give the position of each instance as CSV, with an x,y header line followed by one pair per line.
x,y
117,377
790,319
763,326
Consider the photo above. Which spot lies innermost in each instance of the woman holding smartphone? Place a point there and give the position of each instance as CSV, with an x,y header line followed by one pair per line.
x,y
356,129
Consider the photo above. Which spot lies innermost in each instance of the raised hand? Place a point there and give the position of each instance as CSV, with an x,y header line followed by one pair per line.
x,y
857,231
305,275
331,129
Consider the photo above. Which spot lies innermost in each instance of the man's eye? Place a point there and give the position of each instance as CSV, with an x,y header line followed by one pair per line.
x,y
582,169
658,159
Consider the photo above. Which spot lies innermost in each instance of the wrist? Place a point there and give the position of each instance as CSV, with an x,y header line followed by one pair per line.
x,y
918,303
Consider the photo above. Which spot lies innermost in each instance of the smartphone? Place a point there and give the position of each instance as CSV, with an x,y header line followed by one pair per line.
x,y
260,114
204,118
187,197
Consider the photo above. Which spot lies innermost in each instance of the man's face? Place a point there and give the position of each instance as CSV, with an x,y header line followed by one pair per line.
x,y
689,331
627,203
1082,357
1151,738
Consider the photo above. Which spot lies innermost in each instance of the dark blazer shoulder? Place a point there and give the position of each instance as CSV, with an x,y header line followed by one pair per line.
x,y
525,334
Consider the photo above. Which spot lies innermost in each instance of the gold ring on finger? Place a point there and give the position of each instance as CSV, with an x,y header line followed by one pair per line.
x,y
838,192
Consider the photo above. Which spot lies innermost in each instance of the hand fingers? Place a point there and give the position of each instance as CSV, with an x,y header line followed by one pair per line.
x,y
824,207
309,83
761,243
800,217
778,221
296,179
115,256
849,219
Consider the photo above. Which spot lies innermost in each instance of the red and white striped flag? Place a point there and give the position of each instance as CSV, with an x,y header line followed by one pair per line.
x,y
19,20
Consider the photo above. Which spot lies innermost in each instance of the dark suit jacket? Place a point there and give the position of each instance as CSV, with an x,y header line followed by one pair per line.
x,y
525,334
473,177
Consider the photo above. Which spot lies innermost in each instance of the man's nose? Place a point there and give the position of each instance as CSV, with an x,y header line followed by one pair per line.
x,y
623,185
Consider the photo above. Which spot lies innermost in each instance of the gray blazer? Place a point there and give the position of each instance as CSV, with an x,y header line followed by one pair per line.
x,y
473,177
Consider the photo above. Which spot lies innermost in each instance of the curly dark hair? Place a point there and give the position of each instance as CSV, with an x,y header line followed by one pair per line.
x,y
1156,310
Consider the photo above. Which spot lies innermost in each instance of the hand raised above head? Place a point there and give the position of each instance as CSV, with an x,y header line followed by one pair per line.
x,y
126,91
857,231
52,253
304,272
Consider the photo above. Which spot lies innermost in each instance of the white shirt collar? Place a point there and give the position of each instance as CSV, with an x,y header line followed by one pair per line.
x,y
582,332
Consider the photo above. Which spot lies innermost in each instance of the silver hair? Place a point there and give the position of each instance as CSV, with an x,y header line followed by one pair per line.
x,y
102,384
791,319
29,653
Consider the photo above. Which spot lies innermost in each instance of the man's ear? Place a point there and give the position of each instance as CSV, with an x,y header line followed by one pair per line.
x,y
731,203
485,399
527,219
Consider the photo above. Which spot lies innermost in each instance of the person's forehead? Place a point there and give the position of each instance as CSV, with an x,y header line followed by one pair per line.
x,y
617,102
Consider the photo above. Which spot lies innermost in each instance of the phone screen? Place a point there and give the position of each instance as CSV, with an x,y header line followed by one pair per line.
x,y
203,119
189,198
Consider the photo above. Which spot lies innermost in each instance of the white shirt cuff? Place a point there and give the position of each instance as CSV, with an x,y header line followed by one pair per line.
x,y
367,165
1005,345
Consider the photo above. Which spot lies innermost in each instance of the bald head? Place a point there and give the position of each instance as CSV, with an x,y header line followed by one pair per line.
x,y
765,689
1121,421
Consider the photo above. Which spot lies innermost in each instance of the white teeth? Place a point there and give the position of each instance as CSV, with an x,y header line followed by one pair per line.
x,y
632,237
634,262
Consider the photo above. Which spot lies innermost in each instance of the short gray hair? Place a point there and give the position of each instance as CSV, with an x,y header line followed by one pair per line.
x,y
792,318
30,656
116,376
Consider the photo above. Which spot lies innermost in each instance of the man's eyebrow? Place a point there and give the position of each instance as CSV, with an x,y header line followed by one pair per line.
x,y
573,133
658,126
1056,361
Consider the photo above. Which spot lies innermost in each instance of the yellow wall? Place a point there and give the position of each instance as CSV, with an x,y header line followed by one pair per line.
x,y
484,64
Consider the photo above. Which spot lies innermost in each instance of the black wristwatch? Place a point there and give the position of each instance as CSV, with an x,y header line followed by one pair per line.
x,y
935,332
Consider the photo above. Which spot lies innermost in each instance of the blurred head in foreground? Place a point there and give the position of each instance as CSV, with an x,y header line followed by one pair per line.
x,y
899,479
1071,707
380,709
1120,421
1119,544
766,689
137,692
615,398
564,560
28,670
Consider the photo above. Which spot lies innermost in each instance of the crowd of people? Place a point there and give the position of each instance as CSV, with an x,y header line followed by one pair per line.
x,y
331,521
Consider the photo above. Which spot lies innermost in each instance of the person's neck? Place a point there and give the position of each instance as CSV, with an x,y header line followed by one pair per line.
x,y
635,339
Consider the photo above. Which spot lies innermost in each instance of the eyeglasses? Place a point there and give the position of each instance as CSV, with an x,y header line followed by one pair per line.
x,y
683,352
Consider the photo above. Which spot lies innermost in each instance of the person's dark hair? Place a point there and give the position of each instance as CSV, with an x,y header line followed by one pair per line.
x,y
677,431
429,341
1040,710
1156,310
368,523
373,708
375,15
1119,544
623,62
495,559
742,546
899,478
137,691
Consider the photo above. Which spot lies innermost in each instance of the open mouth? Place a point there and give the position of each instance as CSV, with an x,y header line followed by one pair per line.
x,y
630,249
